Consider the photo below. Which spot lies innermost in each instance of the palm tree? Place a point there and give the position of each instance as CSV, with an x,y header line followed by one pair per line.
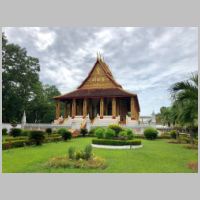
x,y
185,97
165,115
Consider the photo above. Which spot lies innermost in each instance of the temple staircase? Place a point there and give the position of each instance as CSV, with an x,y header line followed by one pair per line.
x,y
105,121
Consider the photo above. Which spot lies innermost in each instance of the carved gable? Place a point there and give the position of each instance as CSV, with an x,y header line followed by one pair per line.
x,y
98,79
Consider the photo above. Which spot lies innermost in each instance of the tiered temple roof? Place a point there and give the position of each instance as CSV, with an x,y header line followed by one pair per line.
x,y
99,83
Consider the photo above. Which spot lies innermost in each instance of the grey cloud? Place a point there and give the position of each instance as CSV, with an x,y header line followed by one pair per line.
x,y
144,60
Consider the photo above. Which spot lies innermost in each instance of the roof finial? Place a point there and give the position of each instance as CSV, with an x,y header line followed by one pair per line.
x,y
97,55
101,59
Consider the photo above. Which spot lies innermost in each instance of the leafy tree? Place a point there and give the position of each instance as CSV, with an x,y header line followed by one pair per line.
x,y
21,88
42,107
20,73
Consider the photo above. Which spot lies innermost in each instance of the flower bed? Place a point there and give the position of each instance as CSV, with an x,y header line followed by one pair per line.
x,y
65,162
78,159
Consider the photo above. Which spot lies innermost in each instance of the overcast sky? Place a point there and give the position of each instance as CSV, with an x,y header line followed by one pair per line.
x,y
146,61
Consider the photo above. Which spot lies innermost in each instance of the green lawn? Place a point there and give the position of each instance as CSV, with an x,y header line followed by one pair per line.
x,y
155,156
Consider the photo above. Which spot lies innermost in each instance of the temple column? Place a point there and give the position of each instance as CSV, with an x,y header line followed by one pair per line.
x,y
84,108
113,108
101,108
57,109
66,111
117,105
73,108
106,107
132,108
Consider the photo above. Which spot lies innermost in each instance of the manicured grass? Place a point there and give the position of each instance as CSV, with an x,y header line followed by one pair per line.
x,y
155,156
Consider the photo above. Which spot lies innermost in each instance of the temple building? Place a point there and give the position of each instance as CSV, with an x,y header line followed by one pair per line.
x,y
99,100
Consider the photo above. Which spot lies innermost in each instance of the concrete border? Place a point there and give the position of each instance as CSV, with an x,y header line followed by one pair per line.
x,y
116,147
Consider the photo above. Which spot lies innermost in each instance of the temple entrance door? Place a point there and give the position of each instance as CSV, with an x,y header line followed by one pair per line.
x,y
123,111
94,105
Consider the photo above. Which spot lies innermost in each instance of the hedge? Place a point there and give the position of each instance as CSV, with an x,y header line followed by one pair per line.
x,y
164,136
116,142
14,144
15,138
53,139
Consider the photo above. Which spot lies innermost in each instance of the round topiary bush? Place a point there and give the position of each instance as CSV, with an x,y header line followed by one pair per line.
x,y
99,132
15,132
37,137
84,131
49,131
150,133
109,133
130,134
122,135
116,128
66,135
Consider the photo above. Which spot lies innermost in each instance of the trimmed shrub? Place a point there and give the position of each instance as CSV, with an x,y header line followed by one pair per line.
x,y
116,128
66,135
84,131
139,136
116,142
109,133
53,139
37,137
92,132
6,145
99,132
11,139
25,132
150,133
4,131
71,153
173,134
164,136
130,134
122,135
54,135
88,152
61,130
14,144
15,132
49,131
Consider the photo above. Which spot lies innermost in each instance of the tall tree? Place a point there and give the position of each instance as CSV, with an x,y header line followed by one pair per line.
x,y
20,73
21,88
